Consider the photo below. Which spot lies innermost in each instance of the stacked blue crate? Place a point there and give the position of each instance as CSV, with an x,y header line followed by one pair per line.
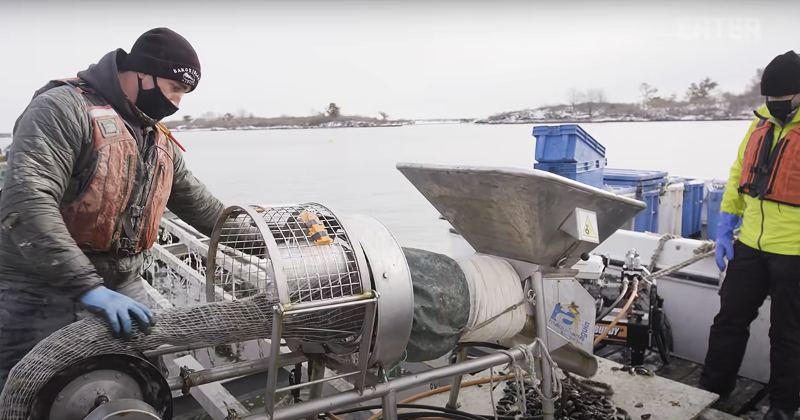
x,y
693,192
715,193
569,151
648,188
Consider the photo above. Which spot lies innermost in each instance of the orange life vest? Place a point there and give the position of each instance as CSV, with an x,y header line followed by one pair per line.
x,y
101,218
770,172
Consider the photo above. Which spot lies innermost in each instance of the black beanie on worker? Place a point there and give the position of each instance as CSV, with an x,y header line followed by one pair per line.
x,y
781,76
163,53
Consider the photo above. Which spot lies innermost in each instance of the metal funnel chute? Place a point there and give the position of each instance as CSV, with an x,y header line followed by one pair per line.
x,y
522,214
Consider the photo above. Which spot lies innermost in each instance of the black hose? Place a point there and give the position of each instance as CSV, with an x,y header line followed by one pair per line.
x,y
424,414
480,344
470,416
613,305
417,406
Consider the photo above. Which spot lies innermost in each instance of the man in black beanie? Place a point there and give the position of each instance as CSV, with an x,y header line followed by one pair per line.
x,y
764,196
90,173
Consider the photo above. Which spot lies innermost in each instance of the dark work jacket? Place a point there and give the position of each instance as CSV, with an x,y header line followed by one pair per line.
x,y
49,159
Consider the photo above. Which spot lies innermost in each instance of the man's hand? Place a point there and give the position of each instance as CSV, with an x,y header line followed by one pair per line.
x,y
116,308
724,241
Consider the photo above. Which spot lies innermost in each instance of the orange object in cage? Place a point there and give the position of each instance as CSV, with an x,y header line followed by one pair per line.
x,y
315,228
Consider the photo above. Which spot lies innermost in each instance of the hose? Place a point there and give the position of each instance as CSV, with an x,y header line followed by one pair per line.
x,y
634,294
616,302
445,389
420,415
445,410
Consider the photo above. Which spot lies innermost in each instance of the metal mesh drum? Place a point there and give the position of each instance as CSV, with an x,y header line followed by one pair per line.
x,y
274,251
304,259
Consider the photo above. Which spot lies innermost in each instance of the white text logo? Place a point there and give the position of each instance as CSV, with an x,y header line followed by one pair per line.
x,y
742,29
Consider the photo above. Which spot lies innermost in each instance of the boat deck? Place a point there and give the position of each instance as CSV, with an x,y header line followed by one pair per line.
x,y
749,401
640,396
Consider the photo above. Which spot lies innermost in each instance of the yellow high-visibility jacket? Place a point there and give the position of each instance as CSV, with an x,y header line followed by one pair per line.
x,y
766,225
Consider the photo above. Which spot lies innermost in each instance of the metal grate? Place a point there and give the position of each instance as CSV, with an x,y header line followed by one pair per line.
x,y
286,264
241,267
246,262
313,272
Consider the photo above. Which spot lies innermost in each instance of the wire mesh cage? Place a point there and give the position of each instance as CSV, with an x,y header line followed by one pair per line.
x,y
299,253
298,256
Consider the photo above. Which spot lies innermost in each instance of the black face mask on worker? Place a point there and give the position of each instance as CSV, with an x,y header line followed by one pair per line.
x,y
780,109
153,102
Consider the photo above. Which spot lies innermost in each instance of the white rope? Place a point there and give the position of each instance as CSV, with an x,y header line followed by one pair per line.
x,y
496,299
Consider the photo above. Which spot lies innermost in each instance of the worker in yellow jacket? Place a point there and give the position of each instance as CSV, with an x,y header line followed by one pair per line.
x,y
765,259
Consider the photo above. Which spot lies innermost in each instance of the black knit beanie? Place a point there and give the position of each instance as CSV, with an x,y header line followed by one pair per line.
x,y
781,76
163,53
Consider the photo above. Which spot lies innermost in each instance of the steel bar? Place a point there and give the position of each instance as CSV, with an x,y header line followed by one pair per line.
x,y
272,375
329,303
317,374
235,370
344,399
213,397
163,351
366,344
389,402
548,406
318,381
455,388
340,366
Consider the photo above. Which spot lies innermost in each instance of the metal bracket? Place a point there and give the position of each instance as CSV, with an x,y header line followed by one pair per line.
x,y
186,384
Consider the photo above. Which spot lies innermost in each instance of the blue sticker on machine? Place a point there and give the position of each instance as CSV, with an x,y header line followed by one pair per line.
x,y
566,321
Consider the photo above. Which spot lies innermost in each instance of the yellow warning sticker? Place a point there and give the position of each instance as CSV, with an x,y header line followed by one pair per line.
x,y
588,229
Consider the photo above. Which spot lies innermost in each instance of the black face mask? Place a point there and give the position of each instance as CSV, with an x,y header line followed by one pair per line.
x,y
780,109
153,102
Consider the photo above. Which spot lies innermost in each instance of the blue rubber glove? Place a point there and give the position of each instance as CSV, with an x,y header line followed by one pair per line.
x,y
117,308
724,242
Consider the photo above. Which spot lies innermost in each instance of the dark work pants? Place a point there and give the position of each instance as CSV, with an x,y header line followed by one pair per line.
x,y
753,275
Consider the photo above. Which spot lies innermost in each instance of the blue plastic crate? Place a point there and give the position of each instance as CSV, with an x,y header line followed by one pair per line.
x,y
589,173
630,192
634,178
715,194
648,189
693,192
566,144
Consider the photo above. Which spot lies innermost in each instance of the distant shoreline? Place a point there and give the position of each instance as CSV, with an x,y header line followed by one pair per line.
x,y
344,124
610,120
475,122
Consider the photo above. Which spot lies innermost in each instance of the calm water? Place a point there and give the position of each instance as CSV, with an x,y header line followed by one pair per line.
x,y
353,170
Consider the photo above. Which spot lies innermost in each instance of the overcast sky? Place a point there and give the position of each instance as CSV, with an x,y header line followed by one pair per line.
x,y
412,58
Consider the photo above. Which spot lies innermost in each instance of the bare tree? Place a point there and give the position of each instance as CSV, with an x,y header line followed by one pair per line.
x,y
241,113
649,93
594,97
209,116
574,97
384,115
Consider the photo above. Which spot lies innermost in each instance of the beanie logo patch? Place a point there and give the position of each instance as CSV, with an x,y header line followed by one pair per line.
x,y
189,76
